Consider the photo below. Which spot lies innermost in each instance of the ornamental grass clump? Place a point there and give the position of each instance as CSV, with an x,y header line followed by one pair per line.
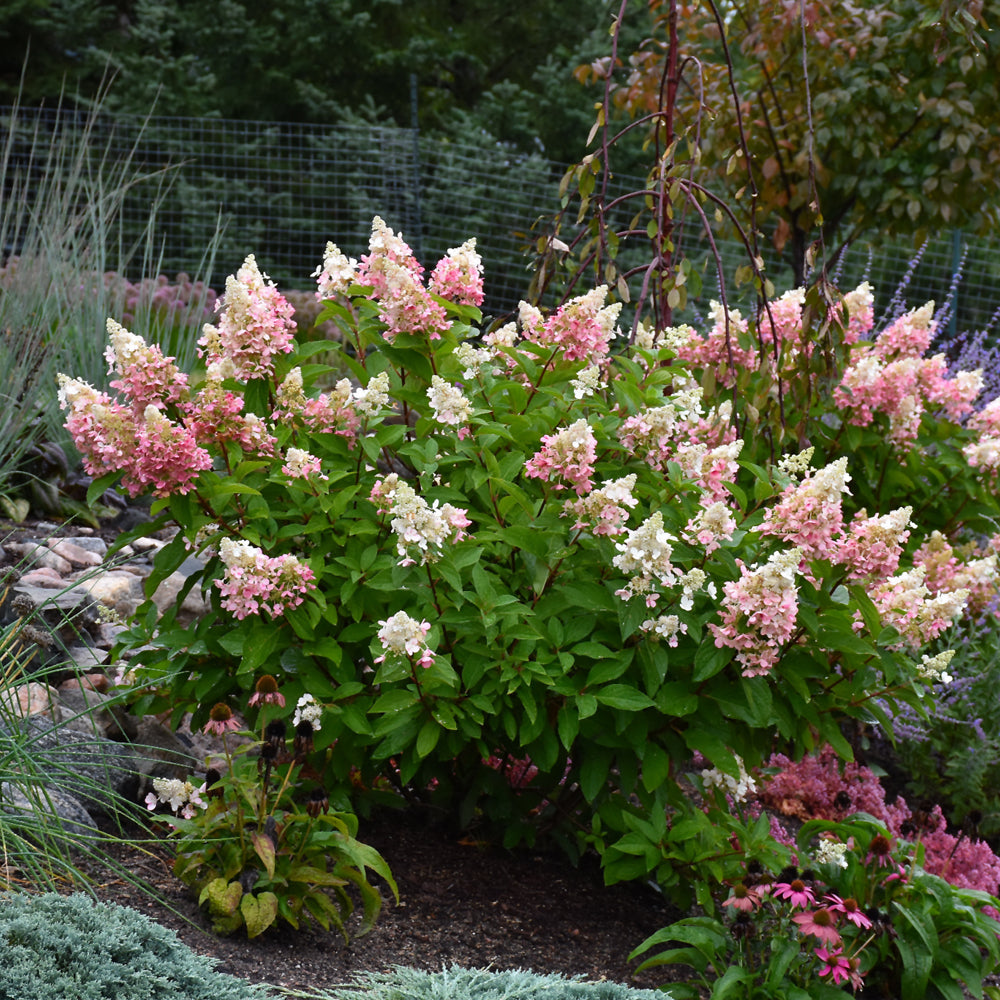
x,y
546,544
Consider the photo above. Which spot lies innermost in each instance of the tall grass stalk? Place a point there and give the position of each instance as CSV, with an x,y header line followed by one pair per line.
x,y
39,850
63,189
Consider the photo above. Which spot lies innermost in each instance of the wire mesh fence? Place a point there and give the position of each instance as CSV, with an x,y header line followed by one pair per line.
x,y
282,190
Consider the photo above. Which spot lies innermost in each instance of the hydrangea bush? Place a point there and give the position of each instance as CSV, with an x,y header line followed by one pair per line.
x,y
545,549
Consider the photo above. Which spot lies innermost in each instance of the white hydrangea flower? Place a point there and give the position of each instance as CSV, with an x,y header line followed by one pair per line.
x,y
337,273
645,553
307,710
587,382
124,346
448,402
831,852
934,668
739,787
797,465
667,627
472,359
373,397
405,636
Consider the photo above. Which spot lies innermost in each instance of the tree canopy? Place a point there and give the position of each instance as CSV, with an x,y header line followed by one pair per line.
x,y
501,67
858,116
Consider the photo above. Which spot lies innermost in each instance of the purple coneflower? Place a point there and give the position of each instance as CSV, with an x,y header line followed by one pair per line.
x,y
266,693
220,720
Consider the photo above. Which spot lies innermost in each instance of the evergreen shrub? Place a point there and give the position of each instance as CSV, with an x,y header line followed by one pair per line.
x,y
70,948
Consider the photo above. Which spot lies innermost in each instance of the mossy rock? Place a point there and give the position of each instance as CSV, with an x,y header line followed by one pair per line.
x,y
456,983
55,947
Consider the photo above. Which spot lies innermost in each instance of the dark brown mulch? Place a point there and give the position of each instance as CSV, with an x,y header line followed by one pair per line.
x,y
461,903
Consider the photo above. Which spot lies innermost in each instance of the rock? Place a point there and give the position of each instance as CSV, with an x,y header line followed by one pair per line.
x,y
146,544
100,773
22,799
194,605
96,681
34,554
29,699
83,658
115,589
91,544
55,609
44,576
159,753
91,712
74,554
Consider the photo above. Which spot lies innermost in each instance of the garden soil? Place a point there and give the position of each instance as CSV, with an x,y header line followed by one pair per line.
x,y
461,902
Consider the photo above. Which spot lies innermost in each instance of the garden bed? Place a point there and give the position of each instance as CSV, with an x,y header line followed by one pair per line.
x,y
461,902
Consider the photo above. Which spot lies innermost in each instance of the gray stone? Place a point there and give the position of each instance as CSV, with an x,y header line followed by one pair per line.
x,y
74,554
92,712
193,606
42,804
93,769
86,658
92,543
159,753
36,554
55,608
115,589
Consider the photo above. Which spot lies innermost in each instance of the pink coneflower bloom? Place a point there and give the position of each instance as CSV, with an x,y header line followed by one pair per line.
x,y
796,892
850,909
880,852
838,966
220,720
266,693
743,898
821,924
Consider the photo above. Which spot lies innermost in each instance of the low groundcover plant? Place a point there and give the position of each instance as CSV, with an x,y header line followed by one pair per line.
x,y
541,550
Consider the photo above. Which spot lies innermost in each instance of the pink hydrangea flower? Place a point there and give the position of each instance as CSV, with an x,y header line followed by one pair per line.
x,y
759,612
569,455
459,275
254,582
167,456
255,326
145,376
394,275
582,328
809,514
